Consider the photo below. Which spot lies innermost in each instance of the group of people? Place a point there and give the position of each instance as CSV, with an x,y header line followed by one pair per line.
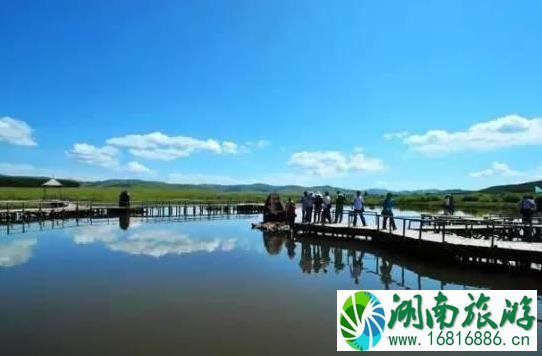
x,y
320,206
316,208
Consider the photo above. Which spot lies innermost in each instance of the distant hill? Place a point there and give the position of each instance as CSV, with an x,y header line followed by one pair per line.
x,y
513,188
258,187
24,181
255,188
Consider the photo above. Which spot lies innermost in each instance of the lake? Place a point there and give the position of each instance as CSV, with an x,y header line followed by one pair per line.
x,y
166,287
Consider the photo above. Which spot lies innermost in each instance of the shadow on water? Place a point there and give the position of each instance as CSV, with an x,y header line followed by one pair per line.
x,y
124,221
322,255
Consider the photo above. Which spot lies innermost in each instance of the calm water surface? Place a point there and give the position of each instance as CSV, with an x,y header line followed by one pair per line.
x,y
193,288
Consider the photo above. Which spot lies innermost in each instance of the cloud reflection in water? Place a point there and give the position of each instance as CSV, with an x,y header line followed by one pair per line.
x,y
16,252
155,242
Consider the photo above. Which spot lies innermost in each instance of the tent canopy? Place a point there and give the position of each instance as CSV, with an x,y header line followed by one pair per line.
x,y
53,183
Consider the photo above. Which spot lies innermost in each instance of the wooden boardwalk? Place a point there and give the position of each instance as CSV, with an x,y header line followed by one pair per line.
x,y
27,212
487,241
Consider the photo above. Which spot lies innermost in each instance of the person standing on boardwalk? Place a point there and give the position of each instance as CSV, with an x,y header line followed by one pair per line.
x,y
304,206
309,204
448,205
359,208
339,206
318,201
326,203
527,208
387,212
290,213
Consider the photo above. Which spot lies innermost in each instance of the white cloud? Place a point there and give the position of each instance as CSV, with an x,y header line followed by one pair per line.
x,y
16,132
136,167
230,147
497,168
398,135
159,146
329,163
507,131
106,156
16,252
257,144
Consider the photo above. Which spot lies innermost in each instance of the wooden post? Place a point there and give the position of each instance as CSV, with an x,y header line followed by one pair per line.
x,y
493,235
443,231
8,217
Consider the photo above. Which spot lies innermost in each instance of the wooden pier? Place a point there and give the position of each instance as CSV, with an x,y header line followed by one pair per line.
x,y
479,241
38,211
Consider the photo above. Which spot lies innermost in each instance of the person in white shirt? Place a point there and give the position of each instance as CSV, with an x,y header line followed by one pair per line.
x,y
326,204
359,208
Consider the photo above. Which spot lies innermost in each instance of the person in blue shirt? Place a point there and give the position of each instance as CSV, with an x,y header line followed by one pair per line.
x,y
358,208
387,212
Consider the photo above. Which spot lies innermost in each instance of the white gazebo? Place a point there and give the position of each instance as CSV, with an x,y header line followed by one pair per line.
x,y
51,183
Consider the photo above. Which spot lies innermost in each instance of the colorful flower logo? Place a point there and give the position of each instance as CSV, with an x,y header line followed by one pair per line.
x,y
362,321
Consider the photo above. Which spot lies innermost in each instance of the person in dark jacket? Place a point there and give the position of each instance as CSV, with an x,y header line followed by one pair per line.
x,y
387,212
339,207
290,213
318,201
124,199
527,208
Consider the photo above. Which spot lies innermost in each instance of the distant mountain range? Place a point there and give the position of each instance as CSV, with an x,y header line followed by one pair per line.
x,y
514,188
23,181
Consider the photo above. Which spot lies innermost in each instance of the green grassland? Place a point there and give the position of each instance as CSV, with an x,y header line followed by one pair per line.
x,y
28,188
110,194
161,193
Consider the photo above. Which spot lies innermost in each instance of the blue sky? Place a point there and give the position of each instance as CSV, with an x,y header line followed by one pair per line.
x,y
398,95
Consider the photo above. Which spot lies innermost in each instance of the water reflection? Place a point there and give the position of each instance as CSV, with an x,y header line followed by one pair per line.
x,y
124,221
273,243
149,240
314,258
16,252
319,255
99,286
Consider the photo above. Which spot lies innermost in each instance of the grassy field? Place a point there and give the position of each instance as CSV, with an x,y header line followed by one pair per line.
x,y
110,194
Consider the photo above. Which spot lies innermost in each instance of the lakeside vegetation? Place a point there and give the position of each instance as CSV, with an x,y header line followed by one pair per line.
x,y
110,194
28,188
